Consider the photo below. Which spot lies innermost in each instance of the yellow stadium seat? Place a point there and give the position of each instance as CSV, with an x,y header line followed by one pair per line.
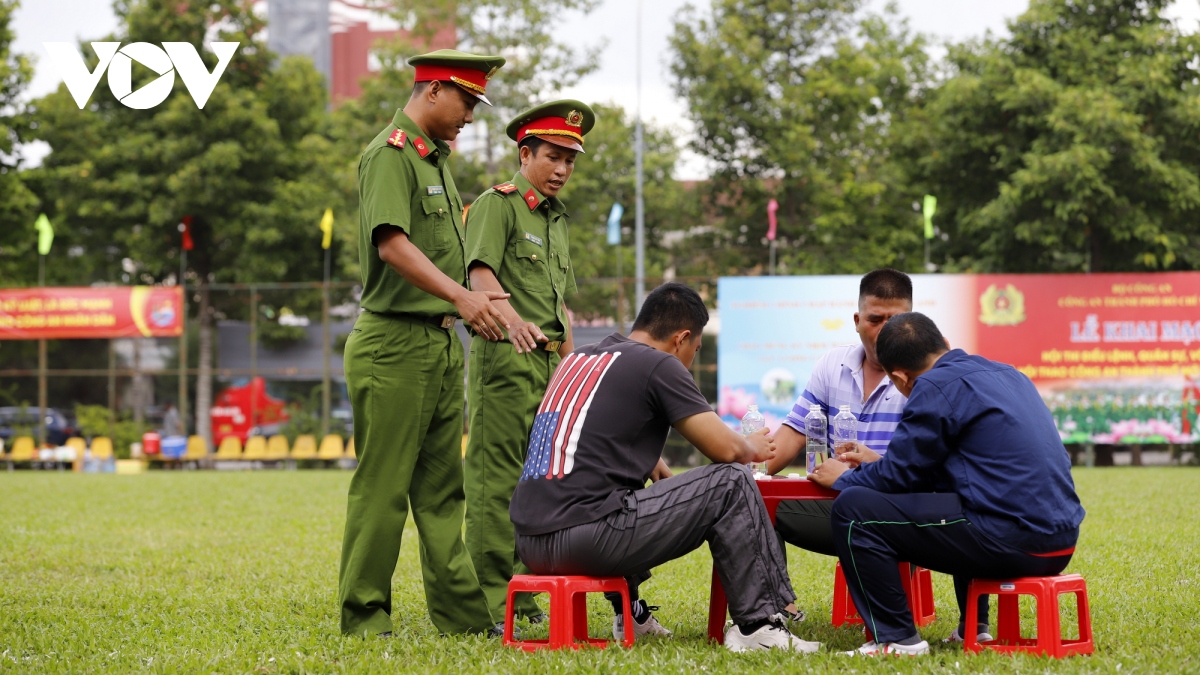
x,y
256,448
102,447
22,449
196,448
331,447
350,449
305,447
230,448
78,444
277,447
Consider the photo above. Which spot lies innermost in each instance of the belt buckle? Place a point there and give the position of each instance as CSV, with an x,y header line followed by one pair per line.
x,y
448,321
553,345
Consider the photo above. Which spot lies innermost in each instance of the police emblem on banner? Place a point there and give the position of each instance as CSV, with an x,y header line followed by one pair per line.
x,y
1001,306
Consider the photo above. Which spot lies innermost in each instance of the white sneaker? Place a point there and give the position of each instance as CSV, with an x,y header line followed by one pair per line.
x,y
979,637
651,627
875,649
771,636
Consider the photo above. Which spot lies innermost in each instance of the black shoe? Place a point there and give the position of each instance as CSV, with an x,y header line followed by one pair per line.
x,y
540,617
385,634
497,631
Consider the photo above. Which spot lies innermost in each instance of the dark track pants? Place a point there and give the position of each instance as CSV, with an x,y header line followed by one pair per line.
x,y
874,531
718,503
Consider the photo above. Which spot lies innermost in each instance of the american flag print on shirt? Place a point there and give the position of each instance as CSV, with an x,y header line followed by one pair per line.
x,y
560,418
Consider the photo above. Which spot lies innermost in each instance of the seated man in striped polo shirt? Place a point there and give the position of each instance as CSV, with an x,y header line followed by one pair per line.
x,y
848,375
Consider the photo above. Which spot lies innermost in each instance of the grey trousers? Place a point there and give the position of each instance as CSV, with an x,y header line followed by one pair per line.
x,y
718,503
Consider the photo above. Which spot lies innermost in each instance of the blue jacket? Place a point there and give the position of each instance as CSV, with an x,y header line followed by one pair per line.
x,y
979,429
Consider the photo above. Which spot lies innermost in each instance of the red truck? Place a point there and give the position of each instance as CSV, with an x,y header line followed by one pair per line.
x,y
247,410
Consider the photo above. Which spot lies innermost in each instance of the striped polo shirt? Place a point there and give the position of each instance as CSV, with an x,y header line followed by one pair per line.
x,y
837,380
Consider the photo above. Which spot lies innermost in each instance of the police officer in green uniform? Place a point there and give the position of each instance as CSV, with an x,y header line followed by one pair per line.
x,y
404,362
517,242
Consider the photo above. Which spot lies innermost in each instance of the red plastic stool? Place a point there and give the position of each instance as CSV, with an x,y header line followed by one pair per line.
x,y
1049,630
568,610
918,586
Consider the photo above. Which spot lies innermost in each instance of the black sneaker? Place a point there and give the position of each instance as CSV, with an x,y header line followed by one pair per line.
x,y
497,631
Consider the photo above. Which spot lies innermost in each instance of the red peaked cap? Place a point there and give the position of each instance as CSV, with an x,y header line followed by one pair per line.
x,y
562,123
469,71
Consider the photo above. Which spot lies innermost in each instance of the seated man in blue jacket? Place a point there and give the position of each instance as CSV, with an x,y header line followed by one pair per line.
x,y
975,483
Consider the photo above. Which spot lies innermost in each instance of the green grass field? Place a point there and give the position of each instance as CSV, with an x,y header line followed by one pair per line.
x,y
208,572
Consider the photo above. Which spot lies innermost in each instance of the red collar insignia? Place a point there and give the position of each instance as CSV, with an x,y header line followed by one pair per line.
x,y
531,199
397,139
420,145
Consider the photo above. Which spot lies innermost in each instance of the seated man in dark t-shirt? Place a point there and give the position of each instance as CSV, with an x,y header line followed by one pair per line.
x,y
581,505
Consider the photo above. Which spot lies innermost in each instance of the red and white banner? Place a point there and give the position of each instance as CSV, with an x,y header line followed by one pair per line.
x,y
109,312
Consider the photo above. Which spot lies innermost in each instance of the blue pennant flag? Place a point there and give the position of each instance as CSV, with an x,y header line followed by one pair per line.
x,y
614,224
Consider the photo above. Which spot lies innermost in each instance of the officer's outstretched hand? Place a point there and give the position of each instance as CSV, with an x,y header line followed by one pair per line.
x,y
475,307
525,337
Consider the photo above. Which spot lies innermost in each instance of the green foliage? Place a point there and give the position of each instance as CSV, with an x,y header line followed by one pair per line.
x,y
796,100
1070,146
605,174
18,205
304,416
242,571
94,420
256,167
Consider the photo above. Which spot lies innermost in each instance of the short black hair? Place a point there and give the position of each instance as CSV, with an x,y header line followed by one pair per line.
x,y
533,143
670,308
907,341
886,284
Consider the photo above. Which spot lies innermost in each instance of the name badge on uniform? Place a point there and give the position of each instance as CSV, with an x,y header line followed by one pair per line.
x,y
435,190
533,238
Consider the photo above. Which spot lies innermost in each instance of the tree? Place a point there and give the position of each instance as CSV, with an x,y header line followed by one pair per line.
x,y
18,253
796,100
1071,146
255,168
605,174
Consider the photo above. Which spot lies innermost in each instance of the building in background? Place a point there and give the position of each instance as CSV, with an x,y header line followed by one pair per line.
x,y
339,36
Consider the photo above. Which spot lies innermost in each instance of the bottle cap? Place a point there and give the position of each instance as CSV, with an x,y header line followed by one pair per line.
x,y
814,408
843,408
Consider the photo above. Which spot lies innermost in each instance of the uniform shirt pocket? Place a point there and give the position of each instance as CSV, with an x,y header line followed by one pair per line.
x,y
530,272
433,233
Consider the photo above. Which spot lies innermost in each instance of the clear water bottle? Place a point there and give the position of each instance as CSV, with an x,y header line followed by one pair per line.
x,y
752,423
845,428
816,430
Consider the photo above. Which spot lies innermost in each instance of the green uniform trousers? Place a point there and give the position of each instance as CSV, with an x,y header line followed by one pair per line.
x,y
504,391
405,379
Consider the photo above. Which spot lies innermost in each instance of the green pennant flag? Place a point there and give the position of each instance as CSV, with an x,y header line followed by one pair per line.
x,y
45,234
930,208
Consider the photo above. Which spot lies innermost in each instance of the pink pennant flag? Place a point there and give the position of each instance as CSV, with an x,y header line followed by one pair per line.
x,y
772,207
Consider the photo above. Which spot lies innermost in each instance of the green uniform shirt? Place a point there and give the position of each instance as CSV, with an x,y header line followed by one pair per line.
x,y
403,181
522,236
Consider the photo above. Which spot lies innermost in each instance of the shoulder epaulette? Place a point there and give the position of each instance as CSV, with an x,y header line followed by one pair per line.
x,y
397,139
505,188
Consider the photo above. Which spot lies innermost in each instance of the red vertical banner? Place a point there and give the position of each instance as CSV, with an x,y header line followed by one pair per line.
x,y
108,312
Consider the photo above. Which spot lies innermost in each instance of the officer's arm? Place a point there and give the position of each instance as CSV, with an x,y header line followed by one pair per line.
x,y
522,334
723,445
409,262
